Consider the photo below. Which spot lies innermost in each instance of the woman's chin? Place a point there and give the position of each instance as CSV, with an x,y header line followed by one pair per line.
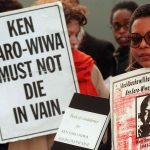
x,y
146,64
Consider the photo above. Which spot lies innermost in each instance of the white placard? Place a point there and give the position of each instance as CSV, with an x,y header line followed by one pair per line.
x,y
37,74
80,128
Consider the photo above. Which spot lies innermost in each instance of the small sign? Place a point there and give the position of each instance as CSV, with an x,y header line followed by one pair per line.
x,y
83,124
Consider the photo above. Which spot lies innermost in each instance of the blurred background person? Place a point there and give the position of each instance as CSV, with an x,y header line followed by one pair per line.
x,y
8,5
89,77
100,50
103,53
119,19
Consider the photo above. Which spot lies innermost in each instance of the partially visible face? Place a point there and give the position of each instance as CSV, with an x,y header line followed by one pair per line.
x,y
121,18
73,30
147,113
141,53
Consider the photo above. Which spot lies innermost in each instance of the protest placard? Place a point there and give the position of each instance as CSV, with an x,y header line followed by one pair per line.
x,y
84,123
37,74
130,110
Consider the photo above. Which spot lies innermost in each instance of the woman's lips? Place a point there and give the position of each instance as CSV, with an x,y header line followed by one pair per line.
x,y
145,57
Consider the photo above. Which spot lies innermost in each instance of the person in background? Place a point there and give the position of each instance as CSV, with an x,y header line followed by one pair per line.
x,y
87,42
119,19
8,5
89,77
100,50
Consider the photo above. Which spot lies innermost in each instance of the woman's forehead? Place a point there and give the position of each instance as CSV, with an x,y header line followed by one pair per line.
x,y
141,25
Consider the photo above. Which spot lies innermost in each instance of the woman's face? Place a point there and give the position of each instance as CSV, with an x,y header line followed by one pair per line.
x,y
142,52
120,22
73,31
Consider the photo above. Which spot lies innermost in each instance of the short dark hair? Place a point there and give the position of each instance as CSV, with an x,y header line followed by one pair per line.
x,y
7,5
142,11
129,5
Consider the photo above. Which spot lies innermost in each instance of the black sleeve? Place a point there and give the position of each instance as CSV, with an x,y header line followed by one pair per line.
x,y
107,146
3,146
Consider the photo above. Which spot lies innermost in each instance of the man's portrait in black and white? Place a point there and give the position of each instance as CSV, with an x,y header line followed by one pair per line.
x,y
143,116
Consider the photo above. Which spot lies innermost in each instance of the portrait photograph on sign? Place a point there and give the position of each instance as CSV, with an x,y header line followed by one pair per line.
x,y
143,116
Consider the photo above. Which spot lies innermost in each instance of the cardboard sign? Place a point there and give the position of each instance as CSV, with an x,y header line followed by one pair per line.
x,y
37,74
83,124
130,110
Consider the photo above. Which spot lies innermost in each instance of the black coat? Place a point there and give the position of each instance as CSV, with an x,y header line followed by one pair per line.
x,y
101,51
3,146
122,59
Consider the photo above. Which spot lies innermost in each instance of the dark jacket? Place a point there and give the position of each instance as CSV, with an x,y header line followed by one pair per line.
x,y
101,51
3,146
107,146
122,58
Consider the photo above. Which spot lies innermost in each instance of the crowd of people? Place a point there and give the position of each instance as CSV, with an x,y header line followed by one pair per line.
x,y
95,59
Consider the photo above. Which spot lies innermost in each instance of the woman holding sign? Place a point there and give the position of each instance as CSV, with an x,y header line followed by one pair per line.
x,y
89,78
140,56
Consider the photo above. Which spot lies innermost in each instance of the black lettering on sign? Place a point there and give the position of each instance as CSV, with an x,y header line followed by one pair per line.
x,y
20,114
15,72
46,109
58,41
44,43
49,64
35,89
10,51
20,26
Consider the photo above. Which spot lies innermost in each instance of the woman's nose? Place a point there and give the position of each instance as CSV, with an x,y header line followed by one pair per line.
x,y
122,30
74,40
143,43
